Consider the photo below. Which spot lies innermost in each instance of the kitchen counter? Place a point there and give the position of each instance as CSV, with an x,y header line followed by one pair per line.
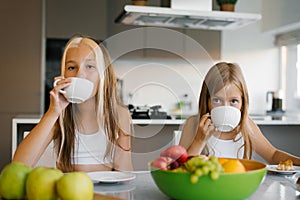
x,y
274,187
277,119
285,119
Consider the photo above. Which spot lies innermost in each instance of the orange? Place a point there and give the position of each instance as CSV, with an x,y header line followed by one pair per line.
x,y
222,160
233,166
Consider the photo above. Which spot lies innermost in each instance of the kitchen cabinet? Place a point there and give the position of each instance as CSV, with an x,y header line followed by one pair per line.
x,y
284,137
152,136
280,16
66,18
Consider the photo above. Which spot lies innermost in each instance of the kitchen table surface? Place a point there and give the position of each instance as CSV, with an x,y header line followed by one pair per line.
x,y
273,187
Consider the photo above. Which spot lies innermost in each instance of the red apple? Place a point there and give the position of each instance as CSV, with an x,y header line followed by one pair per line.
x,y
176,152
183,158
161,163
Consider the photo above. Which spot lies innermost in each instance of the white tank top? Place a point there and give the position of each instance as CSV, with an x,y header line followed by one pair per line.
x,y
90,148
226,148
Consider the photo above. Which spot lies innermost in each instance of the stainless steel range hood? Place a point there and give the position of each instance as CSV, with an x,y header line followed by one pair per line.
x,y
168,17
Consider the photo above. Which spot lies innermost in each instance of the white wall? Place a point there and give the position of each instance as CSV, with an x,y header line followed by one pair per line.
x,y
252,49
255,52
159,66
164,82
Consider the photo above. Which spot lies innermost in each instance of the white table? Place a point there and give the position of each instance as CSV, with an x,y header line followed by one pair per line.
x,y
274,187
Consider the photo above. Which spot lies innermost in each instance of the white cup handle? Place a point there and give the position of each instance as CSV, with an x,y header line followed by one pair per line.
x,y
55,83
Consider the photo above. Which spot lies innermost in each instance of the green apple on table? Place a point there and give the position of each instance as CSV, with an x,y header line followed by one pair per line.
x,y
13,180
75,186
41,183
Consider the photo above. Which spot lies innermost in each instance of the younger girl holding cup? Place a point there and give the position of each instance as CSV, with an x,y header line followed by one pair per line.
x,y
224,85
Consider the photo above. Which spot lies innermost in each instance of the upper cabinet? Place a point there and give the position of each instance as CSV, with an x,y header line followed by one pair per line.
x,y
66,18
280,16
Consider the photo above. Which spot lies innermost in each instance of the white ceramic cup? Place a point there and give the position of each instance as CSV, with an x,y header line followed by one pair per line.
x,y
225,118
78,91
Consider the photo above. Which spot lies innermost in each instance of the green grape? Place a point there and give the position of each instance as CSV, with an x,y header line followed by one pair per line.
x,y
214,175
191,168
179,169
205,170
190,165
214,159
210,166
213,168
200,161
200,166
198,172
219,168
194,178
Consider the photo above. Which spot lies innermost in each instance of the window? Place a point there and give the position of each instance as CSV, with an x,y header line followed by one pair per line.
x,y
289,44
298,71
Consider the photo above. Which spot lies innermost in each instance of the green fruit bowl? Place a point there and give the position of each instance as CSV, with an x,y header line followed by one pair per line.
x,y
177,185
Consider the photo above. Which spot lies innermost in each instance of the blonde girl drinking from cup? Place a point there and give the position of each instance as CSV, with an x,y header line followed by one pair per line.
x,y
92,135
224,85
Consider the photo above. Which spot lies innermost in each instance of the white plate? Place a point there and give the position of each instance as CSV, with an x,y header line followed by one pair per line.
x,y
110,176
113,188
272,168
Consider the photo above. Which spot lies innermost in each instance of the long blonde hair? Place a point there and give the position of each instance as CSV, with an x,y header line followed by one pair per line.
x,y
217,77
107,100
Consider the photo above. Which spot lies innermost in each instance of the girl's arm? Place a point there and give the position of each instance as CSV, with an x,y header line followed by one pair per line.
x,y
122,158
266,150
195,134
34,145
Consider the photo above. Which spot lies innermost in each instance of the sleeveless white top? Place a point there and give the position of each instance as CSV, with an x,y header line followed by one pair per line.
x,y
90,148
226,148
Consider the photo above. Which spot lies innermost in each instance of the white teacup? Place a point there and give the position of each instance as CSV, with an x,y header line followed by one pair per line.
x,y
78,91
225,118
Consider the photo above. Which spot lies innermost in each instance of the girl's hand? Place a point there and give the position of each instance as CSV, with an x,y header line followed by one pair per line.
x,y
205,128
57,100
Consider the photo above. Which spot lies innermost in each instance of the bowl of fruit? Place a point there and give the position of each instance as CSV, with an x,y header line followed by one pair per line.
x,y
180,176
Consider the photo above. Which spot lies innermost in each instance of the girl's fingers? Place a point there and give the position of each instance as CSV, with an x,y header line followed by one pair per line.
x,y
58,78
54,94
61,85
205,124
203,119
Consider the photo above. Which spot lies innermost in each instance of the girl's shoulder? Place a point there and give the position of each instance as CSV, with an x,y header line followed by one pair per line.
x,y
191,123
123,111
124,116
192,120
124,119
